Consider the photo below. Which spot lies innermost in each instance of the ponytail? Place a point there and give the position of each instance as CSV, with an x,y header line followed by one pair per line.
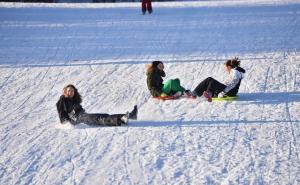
x,y
233,63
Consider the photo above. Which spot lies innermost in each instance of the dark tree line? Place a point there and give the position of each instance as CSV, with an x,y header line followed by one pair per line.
x,y
94,1
30,1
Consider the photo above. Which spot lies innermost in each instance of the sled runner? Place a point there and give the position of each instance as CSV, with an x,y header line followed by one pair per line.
x,y
226,98
166,98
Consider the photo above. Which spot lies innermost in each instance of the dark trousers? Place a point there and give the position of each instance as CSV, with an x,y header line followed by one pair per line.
x,y
146,5
210,85
100,119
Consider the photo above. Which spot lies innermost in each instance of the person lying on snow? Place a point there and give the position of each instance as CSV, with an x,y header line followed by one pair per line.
x,y
70,110
157,88
212,88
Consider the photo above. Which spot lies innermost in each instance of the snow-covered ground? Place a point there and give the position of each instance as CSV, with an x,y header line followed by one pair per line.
x,y
104,52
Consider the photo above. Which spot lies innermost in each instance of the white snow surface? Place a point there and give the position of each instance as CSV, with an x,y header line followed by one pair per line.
x,y
104,52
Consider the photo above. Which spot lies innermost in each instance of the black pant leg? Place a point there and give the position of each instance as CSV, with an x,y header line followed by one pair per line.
x,y
211,85
100,119
118,117
202,86
215,87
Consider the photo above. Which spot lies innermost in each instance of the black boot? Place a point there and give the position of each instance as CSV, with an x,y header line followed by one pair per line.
x,y
133,113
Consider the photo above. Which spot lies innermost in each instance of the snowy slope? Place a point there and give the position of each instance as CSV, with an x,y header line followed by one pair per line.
x,y
104,52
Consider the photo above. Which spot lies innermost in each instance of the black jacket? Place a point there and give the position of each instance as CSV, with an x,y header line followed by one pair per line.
x,y
66,107
155,81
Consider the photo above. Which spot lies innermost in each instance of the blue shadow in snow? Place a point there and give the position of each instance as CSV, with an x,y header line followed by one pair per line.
x,y
211,123
125,62
46,35
250,98
269,98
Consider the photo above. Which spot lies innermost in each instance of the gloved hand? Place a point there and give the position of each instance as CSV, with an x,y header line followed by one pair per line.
x,y
66,121
221,94
69,122
163,95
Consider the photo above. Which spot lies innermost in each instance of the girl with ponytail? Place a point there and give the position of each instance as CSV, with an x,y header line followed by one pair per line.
x,y
212,88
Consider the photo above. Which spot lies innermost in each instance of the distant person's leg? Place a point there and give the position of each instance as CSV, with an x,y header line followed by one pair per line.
x,y
149,6
144,4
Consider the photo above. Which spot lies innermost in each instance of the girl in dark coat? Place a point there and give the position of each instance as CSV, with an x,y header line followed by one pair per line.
x,y
70,110
212,88
157,88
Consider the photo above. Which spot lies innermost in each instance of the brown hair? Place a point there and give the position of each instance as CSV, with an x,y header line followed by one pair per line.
x,y
153,65
233,63
77,97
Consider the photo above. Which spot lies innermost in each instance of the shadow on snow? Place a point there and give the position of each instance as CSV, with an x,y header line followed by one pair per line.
x,y
247,98
127,62
269,98
212,123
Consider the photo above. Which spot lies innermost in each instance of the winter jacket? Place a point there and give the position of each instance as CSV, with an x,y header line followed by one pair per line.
x,y
155,81
233,81
68,109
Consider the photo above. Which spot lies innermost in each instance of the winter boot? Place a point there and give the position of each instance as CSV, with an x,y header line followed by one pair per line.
x,y
207,96
189,94
133,113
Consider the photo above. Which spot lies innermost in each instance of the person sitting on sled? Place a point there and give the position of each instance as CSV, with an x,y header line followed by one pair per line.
x,y
70,110
212,88
157,88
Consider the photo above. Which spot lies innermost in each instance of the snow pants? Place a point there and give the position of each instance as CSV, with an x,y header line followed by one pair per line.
x,y
172,86
211,85
100,119
146,5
